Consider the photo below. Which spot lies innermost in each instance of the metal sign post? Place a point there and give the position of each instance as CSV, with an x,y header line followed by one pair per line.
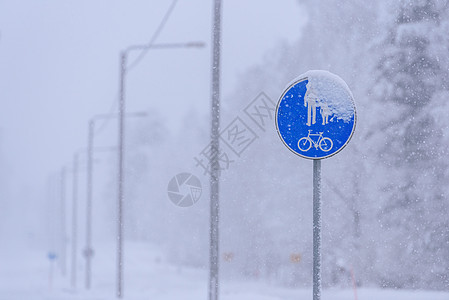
x,y
317,229
315,119
51,257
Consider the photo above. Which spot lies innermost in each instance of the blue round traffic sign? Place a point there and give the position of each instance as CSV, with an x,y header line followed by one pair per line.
x,y
316,115
52,255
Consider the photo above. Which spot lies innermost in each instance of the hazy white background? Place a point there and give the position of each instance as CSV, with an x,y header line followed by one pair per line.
x,y
385,202
59,64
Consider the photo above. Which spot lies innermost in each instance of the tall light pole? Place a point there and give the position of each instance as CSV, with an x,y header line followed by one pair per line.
x,y
74,218
215,148
121,152
52,222
88,250
120,176
75,169
63,222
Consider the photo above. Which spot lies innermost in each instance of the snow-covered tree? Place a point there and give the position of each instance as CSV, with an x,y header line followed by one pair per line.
x,y
412,73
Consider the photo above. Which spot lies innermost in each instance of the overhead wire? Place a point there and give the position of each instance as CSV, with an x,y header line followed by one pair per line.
x,y
159,29
142,54
106,121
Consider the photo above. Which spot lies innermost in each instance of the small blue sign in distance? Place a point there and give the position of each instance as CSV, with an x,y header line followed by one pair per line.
x,y
51,256
316,115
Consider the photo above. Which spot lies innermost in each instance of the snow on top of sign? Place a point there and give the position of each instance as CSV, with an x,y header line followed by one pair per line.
x,y
330,94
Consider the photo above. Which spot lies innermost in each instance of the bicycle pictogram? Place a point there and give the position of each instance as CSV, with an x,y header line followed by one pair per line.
x,y
324,143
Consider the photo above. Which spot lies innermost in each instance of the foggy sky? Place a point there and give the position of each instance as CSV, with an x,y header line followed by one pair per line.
x,y
59,67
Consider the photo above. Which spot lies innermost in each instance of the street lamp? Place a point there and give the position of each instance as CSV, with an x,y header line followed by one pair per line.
x,y
75,169
63,222
63,182
74,217
88,251
215,166
123,61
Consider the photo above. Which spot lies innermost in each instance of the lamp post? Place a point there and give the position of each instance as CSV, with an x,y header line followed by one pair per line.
x,y
75,169
121,138
88,251
215,166
63,222
74,218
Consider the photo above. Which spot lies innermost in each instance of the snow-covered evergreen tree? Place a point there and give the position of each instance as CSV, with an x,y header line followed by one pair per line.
x,y
411,74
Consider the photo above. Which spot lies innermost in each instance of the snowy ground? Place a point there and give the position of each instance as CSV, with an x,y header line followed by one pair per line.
x,y
24,274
